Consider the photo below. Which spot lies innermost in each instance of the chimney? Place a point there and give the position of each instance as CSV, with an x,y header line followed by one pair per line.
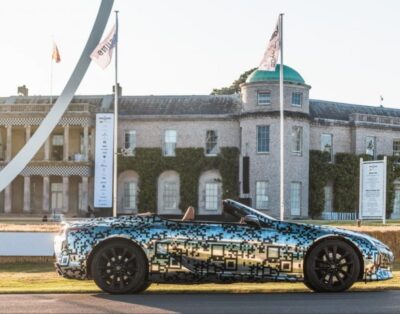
x,y
22,90
119,90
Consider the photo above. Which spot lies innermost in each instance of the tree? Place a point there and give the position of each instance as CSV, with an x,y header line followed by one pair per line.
x,y
235,86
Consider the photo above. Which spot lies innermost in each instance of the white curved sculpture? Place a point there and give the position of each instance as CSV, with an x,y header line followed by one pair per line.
x,y
25,155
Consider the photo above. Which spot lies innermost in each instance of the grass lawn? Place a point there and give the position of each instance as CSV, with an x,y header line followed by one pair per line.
x,y
36,225
42,278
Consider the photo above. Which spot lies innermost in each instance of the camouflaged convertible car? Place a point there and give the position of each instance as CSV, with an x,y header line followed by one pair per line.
x,y
127,254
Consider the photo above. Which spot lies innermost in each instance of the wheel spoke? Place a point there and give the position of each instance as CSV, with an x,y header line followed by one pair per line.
x,y
340,278
334,253
104,255
114,253
330,282
327,254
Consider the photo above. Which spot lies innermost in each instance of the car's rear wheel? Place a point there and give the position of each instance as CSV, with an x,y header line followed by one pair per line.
x,y
332,266
119,267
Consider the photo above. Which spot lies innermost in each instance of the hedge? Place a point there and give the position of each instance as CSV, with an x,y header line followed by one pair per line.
x,y
344,173
189,163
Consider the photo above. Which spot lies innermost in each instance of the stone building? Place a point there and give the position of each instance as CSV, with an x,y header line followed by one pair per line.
x,y
60,177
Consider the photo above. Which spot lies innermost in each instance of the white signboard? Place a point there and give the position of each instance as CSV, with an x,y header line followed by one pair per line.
x,y
373,189
103,175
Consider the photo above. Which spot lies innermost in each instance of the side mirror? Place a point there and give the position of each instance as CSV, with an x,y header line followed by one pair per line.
x,y
252,220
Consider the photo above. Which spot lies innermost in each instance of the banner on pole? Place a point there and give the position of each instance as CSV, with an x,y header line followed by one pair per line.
x,y
103,175
373,189
270,58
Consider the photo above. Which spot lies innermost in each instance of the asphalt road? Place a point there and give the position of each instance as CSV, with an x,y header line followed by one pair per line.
x,y
384,302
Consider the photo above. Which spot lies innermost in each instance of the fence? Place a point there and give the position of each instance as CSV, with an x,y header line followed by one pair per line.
x,y
338,216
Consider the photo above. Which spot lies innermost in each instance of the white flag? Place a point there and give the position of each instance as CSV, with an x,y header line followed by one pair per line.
x,y
102,54
271,55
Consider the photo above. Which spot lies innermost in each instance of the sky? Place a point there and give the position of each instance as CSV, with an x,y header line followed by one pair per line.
x,y
348,51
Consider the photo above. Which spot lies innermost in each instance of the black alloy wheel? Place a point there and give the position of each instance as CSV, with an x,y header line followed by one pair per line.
x,y
332,266
119,267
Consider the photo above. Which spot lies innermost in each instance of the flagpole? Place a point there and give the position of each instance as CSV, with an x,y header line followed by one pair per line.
x,y
281,101
115,139
51,80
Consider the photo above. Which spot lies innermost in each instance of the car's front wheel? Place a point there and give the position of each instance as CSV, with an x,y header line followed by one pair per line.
x,y
119,267
332,266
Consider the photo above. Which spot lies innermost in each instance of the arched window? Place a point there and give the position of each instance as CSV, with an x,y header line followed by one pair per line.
x,y
210,193
128,192
168,193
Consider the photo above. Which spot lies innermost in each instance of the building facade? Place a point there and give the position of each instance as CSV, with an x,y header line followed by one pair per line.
x,y
60,177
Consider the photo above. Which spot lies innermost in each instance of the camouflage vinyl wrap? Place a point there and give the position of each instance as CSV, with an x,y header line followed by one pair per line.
x,y
193,252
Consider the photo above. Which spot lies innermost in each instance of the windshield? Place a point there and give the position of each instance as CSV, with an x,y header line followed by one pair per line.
x,y
240,210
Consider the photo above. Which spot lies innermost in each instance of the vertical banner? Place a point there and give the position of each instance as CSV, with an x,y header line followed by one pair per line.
x,y
103,175
373,189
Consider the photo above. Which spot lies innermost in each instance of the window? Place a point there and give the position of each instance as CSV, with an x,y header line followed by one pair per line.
x,y
56,196
211,143
370,146
170,195
169,142
261,194
295,198
263,98
262,138
57,147
297,140
211,196
327,144
130,142
396,147
129,200
328,193
297,99
396,204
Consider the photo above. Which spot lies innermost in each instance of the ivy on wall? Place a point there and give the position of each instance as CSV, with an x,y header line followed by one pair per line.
x,y
189,163
344,174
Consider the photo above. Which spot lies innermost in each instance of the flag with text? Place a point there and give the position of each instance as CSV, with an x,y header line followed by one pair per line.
x,y
271,55
102,54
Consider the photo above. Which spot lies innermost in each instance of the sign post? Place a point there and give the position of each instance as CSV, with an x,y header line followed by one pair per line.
x,y
373,189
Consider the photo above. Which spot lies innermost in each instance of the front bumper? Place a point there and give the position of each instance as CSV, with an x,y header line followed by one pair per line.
x,y
380,267
68,265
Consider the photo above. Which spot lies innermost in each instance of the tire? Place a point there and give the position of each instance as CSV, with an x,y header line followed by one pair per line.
x,y
120,268
332,266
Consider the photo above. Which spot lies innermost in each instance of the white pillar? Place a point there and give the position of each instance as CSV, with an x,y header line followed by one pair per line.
x,y
66,142
86,142
46,194
27,132
92,143
27,194
65,194
7,199
47,149
85,193
9,143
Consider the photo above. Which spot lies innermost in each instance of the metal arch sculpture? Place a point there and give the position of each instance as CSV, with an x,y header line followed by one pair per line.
x,y
25,155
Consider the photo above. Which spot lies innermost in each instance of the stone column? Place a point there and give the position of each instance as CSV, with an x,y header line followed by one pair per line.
x,y
9,143
65,195
27,194
7,199
85,193
66,142
86,142
47,149
92,143
27,132
46,193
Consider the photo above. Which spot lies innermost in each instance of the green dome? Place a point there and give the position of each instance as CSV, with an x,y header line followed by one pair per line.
x,y
289,75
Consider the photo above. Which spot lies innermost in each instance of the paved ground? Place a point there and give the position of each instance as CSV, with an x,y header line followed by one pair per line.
x,y
352,302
